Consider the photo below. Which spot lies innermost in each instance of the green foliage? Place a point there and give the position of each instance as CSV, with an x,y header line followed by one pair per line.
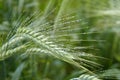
x,y
37,37
17,73
111,74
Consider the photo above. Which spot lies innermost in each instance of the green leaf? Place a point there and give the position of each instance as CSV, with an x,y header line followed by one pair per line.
x,y
16,75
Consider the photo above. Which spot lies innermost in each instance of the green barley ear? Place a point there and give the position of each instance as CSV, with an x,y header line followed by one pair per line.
x,y
61,45
86,77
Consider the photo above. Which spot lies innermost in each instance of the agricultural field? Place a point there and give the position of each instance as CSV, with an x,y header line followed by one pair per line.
x,y
59,39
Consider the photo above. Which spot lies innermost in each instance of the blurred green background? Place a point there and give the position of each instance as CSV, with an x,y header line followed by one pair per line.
x,y
99,15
